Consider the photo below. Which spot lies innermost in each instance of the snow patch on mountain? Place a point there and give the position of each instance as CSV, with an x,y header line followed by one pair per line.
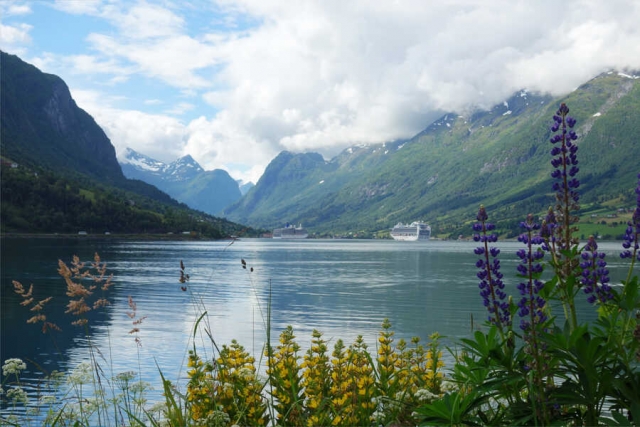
x,y
141,161
183,169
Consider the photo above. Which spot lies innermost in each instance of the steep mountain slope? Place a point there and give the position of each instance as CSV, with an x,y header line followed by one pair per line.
x,y
185,180
499,158
42,125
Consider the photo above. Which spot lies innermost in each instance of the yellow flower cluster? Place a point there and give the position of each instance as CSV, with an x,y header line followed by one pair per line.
x,y
285,379
238,384
316,381
360,383
404,376
351,388
229,386
347,387
340,392
199,388
387,359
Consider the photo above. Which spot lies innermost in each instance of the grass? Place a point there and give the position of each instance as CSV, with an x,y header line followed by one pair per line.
x,y
607,231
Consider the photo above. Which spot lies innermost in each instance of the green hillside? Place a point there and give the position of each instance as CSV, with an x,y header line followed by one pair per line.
x,y
39,201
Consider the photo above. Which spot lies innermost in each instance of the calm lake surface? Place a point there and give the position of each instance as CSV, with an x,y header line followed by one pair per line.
x,y
343,288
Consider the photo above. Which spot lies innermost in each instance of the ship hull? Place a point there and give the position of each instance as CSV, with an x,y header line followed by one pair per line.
x,y
291,237
290,232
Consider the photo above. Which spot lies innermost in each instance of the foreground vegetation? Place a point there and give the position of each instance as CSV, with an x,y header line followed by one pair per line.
x,y
349,386
533,362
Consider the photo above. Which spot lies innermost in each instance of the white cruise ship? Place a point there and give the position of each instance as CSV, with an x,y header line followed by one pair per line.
x,y
411,232
290,232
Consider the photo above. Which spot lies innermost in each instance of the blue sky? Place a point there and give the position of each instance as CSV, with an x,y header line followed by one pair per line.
x,y
234,82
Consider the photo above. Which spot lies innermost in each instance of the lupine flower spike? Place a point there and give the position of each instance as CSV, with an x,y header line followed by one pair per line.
x,y
491,285
565,186
531,305
631,237
565,163
595,276
532,310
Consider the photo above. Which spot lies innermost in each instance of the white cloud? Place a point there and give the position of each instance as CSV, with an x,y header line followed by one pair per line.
x,y
216,145
17,9
322,75
143,21
165,138
158,136
180,108
88,64
89,7
252,174
14,38
174,60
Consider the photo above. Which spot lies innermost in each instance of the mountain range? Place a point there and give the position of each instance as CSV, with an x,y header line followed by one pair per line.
x,y
69,176
499,158
184,180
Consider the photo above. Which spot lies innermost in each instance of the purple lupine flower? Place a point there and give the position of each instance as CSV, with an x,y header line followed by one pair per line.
x,y
631,237
565,164
491,284
531,305
595,276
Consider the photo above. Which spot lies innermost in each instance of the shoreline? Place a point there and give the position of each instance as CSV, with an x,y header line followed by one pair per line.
x,y
111,236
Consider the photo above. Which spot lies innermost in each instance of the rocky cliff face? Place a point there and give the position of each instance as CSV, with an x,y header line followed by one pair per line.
x,y
43,125
59,108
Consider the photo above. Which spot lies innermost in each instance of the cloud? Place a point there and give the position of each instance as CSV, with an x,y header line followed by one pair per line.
x,y
13,38
158,136
17,9
144,21
88,7
322,75
165,138
180,109
89,64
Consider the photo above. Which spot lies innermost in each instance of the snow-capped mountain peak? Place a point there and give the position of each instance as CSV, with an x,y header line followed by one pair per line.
x,y
140,161
183,179
184,168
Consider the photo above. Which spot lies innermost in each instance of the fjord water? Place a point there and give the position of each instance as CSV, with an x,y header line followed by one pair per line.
x,y
343,288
